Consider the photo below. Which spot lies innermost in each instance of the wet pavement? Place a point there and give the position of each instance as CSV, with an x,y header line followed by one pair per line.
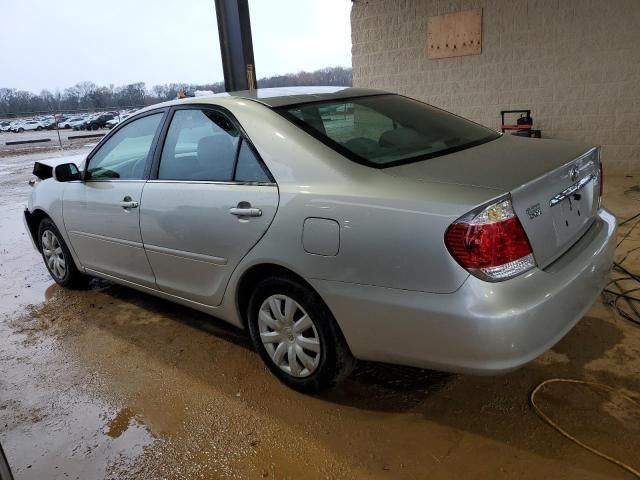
x,y
112,383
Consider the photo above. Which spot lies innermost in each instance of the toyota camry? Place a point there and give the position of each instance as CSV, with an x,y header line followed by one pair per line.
x,y
337,224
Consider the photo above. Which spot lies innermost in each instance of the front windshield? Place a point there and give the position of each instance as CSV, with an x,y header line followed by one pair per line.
x,y
387,130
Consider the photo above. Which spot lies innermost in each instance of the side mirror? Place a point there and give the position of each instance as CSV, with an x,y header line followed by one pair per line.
x,y
66,172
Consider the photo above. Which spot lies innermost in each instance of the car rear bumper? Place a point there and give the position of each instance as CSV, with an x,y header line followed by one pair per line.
x,y
483,327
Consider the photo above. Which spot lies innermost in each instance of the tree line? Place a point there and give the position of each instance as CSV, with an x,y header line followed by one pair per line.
x,y
89,96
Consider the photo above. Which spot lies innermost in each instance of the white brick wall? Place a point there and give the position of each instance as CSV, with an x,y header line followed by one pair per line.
x,y
575,63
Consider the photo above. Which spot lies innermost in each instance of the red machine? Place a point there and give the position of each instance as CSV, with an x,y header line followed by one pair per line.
x,y
523,126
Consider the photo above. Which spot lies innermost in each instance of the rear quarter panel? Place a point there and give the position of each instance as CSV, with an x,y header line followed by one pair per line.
x,y
391,229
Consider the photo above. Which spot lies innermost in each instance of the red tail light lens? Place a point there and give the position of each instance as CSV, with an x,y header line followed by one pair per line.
x,y
491,244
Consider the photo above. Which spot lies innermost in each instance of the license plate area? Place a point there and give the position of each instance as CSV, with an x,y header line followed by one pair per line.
x,y
573,208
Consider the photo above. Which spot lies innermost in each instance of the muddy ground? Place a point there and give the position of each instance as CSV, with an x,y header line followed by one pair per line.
x,y
112,383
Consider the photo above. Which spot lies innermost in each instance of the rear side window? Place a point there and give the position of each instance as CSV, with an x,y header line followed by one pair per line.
x,y
387,130
201,145
249,168
205,145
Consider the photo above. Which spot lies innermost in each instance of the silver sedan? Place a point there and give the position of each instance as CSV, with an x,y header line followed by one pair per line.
x,y
337,224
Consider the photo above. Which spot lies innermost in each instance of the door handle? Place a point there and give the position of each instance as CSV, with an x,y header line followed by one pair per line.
x,y
245,212
127,203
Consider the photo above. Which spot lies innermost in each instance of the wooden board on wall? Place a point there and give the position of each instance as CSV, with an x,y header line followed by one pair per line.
x,y
455,34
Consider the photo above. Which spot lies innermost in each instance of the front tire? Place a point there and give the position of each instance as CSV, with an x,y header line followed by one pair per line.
x,y
57,257
296,335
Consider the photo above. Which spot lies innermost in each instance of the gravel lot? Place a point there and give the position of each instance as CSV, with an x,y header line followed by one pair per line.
x,y
112,383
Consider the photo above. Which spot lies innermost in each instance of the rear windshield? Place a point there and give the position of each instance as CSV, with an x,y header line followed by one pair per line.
x,y
386,130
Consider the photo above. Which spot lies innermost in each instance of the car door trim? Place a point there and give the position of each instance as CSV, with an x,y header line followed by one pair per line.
x,y
109,180
216,182
198,257
128,243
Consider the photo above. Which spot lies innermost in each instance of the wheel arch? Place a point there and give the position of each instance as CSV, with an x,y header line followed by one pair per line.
x,y
253,275
341,362
33,222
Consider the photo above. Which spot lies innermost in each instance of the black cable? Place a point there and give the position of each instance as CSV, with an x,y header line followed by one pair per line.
x,y
630,218
612,297
626,235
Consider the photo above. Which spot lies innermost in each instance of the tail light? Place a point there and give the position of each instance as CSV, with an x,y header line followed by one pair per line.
x,y
491,243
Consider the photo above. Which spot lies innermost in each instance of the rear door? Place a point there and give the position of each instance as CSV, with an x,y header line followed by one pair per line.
x,y
102,213
209,201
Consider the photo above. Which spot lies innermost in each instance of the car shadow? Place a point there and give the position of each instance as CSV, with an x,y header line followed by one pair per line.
x,y
176,313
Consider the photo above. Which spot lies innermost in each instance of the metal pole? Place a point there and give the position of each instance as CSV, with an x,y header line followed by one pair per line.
x,y
58,130
236,44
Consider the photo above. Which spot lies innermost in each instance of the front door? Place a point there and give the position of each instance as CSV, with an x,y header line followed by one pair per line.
x,y
102,212
210,203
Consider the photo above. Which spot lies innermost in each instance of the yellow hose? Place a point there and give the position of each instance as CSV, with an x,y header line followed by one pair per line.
x,y
601,386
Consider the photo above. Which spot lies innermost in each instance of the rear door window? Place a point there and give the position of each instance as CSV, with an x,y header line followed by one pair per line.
x,y
201,145
249,169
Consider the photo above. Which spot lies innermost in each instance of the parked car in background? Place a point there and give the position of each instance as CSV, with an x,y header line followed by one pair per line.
x,y
9,128
401,233
70,121
5,126
48,123
79,124
27,125
114,121
100,121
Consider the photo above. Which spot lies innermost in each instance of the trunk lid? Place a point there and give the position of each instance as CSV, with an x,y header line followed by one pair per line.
x,y
554,185
557,208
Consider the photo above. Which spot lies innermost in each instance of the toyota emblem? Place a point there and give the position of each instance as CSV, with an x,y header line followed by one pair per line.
x,y
573,172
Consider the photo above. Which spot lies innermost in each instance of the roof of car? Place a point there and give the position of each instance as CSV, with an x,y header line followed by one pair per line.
x,y
283,96
276,97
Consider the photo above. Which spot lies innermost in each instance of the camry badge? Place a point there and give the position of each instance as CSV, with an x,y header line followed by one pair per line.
x,y
534,211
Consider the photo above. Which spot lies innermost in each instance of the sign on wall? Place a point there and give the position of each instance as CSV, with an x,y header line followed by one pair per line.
x,y
455,34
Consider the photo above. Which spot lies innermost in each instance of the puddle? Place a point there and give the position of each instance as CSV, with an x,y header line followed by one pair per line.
x,y
120,423
52,423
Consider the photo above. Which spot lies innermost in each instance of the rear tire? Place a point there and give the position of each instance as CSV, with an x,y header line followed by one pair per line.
x,y
57,257
296,335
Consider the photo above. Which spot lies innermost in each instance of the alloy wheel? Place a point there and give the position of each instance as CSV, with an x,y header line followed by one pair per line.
x,y
289,336
53,254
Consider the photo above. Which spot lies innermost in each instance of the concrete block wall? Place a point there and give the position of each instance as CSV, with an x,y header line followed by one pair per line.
x,y
575,63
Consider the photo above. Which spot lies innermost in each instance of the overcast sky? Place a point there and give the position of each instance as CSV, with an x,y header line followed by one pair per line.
x,y
55,44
